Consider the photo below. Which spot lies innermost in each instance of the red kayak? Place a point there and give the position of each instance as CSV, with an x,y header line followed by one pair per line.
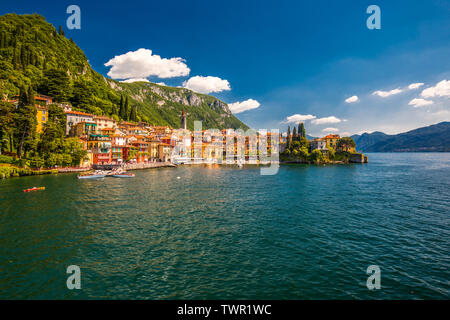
x,y
34,189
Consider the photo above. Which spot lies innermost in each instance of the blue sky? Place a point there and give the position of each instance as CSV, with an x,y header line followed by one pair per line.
x,y
297,59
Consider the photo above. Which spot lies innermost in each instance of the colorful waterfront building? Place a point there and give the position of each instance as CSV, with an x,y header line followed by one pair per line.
x,y
75,117
104,122
142,148
84,128
100,146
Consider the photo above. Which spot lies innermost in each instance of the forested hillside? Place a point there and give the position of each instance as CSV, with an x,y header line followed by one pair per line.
x,y
33,53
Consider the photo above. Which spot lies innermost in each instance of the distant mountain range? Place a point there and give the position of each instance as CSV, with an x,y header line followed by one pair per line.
x,y
434,138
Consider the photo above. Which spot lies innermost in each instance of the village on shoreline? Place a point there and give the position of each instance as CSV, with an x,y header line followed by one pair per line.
x,y
107,143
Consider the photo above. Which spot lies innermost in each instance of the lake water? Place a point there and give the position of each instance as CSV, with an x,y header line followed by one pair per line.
x,y
309,232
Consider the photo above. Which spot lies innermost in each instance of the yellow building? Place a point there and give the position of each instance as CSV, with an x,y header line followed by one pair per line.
x,y
41,117
332,140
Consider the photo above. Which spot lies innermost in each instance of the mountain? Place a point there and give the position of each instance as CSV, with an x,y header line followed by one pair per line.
x,y
367,139
434,138
33,53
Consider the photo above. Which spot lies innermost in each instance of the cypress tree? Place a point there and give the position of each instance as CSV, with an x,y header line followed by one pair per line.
x,y
31,100
301,130
125,109
121,107
133,116
288,138
294,134
23,96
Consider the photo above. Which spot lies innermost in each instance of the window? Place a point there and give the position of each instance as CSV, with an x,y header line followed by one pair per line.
x,y
43,118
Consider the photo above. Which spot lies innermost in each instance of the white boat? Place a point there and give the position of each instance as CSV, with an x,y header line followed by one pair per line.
x,y
91,176
123,175
94,175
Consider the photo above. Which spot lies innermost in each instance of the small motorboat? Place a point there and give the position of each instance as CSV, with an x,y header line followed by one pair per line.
x,y
34,189
94,175
123,175
120,173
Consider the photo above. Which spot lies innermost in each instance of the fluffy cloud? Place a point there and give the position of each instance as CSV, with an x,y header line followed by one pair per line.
x,y
135,80
352,99
442,89
330,130
419,102
296,118
238,107
385,94
207,84
413,86
325,120
143,63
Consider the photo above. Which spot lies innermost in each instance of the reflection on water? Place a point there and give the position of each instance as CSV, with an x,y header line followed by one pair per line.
x,y
224,232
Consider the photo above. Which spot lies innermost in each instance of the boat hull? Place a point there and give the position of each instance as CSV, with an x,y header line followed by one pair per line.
x,y
94,176
122,176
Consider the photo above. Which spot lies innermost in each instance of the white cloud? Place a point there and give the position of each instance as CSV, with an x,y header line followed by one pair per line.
x,y
441,89
385,94
413,86
135,80
417,102
161,84
207,84
296,118
330,130
325,120
143,63
238,107
352,99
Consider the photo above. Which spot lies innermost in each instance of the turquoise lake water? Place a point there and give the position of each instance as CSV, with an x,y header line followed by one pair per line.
x,y
309,232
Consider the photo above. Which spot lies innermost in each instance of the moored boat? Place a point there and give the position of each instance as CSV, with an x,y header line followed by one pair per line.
x,y
94,175
123,175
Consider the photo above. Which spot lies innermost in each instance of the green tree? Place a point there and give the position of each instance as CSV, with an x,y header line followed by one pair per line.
x,y
56,83
31,99
346,143
121,112
125,110
74,148
25,123
288,138
82,95
294,134
24,97
317,157
57,115
301,130
6,127
51,140
133,115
